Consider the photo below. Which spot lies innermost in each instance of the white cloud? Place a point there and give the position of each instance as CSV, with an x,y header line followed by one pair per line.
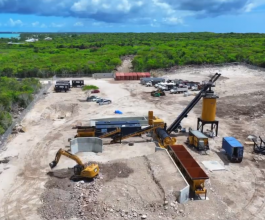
x,y
35,24
252,5
79,24
97,23
124,6
140,12
173,20
13,23
43,26
56,25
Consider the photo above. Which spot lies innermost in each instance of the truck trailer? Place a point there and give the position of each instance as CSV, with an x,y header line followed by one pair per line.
x,y
233,149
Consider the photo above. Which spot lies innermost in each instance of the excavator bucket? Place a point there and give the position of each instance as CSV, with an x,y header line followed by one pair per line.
x,y
53,164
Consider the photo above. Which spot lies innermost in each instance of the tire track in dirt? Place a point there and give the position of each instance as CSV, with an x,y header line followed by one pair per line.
x,y
256,203
18,202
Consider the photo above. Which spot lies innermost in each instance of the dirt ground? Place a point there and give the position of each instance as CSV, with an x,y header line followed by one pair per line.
x,y
236,193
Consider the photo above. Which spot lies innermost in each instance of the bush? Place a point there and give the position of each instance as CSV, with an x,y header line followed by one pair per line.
x,y
89,87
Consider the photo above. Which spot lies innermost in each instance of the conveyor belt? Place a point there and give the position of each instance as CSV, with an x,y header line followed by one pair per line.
x,y
142,131
197,98
110,133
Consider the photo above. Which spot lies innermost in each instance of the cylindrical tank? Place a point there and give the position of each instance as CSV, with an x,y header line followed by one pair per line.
x,y
164,137
208,109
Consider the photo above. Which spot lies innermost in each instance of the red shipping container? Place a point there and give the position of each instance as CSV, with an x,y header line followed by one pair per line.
x,y
147,75
134,76
121,76
117,76
126,76
139,76
130,76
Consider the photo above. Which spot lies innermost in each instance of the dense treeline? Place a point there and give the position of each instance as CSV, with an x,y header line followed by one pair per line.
x,y
15,94
90,53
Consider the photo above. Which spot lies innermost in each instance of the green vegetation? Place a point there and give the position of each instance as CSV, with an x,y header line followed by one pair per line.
x,y
13,95
89,87
94,53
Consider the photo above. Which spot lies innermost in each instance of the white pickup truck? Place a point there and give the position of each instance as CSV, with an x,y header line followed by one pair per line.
x,y
178,90
149,84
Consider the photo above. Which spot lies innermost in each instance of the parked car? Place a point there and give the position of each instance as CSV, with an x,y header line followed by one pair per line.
x,y
95,91
105,102
92,98
149,84
99,100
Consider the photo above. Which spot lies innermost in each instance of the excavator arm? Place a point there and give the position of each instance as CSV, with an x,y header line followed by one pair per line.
x,y
67,154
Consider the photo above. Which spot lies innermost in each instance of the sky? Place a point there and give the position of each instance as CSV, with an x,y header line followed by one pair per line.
x,y
132,16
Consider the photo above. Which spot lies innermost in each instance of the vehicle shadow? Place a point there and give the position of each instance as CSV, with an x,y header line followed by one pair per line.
x,y
222,156
82,100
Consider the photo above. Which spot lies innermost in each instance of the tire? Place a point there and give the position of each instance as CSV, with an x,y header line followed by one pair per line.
x,y
109,102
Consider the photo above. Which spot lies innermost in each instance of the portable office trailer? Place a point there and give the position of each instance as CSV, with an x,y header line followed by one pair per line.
x,y
61,87
64,82
76,83
233,148
198,140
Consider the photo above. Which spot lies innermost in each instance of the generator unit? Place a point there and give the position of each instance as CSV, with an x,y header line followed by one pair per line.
x,y
198,140
233,148
78,82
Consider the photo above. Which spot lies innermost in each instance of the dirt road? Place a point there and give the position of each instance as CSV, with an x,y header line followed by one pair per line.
x,y
237,193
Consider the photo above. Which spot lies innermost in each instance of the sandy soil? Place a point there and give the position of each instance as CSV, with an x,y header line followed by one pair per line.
x,y
237,193
126,65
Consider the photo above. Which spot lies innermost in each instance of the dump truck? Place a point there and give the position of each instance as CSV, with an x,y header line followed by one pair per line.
x,y
233,149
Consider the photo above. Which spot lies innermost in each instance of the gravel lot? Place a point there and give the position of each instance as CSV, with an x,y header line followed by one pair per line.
x,y
236,193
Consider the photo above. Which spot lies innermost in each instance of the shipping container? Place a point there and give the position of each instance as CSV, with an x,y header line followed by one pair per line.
x,y
134,76
138,76
233,148
131,76
117,76
147,75
126,76
122,76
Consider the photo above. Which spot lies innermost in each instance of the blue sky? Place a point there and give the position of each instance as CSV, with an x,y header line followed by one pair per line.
x,y
132,15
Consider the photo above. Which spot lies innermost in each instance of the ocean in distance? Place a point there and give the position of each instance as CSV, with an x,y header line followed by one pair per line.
x,y
9,35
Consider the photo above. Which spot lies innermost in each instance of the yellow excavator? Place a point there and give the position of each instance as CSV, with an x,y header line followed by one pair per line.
x,y
81,170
